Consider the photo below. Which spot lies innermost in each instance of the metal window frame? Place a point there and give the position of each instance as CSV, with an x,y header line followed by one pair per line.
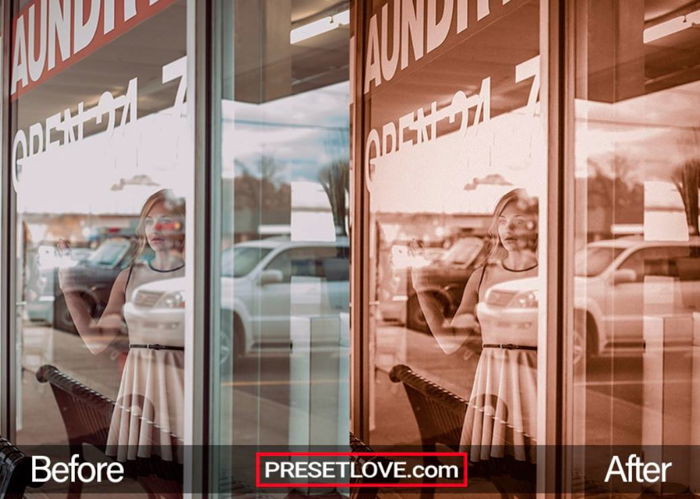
x,y
199,249
555,405
8,270
359,237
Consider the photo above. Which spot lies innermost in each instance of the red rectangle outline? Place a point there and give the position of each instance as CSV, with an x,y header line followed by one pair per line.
x,y
259,484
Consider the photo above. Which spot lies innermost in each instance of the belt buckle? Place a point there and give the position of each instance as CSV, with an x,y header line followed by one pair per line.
x,y
154,346
509,346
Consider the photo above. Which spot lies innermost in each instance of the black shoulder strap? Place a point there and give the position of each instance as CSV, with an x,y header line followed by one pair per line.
x,y
128,277
481,279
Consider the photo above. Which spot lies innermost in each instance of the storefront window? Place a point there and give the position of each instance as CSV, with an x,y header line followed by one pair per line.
x,y
100,170
454,161
635,292
284,258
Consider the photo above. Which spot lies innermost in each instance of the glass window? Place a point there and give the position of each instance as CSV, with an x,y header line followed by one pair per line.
x,y
240,261
635,263
635,170
593,260
326,263
283,181
451,146
100,169
110,253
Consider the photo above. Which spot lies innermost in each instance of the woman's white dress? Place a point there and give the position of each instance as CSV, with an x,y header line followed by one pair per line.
x,y
148,416
501,416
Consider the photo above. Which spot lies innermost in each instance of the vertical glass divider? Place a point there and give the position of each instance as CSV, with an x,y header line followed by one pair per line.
x,y
557,375
359,237
198,246
7,297
215,225
550,357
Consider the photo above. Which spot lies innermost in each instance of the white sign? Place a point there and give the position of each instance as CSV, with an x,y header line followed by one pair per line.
x,y
416,24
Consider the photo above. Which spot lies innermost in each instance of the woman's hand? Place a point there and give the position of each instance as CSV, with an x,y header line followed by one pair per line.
x,y
419,280
66,276
468,324
112,322
465,321
67,280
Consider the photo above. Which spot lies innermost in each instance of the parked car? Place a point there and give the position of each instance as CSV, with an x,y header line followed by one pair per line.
x,y
263,284
447,276
610,284
95,274
509,311
609,293
49,257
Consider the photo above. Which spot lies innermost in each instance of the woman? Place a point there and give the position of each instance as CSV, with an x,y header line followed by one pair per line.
x,y
147,419
500,419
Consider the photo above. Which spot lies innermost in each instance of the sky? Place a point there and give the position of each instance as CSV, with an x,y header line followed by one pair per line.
x,y
302,133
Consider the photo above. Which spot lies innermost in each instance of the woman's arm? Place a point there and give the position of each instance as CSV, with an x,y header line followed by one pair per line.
x,y
97,335
450,336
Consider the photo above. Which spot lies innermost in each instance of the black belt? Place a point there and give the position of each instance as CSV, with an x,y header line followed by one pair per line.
x,y
154,346
508,346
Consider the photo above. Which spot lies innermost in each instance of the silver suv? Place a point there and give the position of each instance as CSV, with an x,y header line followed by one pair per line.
x,y
612,278
265,285
617,283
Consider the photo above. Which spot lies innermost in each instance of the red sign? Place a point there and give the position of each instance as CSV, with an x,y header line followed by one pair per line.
x,y
51,35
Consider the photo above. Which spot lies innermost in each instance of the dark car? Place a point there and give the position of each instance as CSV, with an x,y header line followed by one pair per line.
x,y
95,277
447,276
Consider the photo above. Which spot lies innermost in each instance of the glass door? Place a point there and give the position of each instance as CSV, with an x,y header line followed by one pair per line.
x,y
450,147
280,197
100,169
635,296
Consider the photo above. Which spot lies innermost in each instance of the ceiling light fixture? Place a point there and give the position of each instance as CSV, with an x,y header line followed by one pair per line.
x,y
321,26
672,26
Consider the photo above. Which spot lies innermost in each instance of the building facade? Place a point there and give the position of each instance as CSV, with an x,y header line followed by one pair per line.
x,y
335,215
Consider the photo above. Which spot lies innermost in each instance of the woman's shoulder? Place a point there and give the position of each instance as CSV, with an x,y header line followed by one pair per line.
x,y
129,269
127,272
483,268
477,274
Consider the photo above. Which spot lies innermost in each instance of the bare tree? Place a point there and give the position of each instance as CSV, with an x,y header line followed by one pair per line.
x,y
260,190
686,178
335,179
615,190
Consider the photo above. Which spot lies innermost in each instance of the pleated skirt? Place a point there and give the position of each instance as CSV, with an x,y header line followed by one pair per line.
x,y
148,417
501,417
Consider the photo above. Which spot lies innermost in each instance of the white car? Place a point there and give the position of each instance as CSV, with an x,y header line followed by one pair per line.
x,y
611,280
157,311
509,312
263,285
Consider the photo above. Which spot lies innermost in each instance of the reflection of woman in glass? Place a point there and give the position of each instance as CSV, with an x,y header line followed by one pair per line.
x,y
147,419
500,419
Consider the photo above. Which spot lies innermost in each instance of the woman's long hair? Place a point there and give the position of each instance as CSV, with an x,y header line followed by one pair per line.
x,y
529,205
175,204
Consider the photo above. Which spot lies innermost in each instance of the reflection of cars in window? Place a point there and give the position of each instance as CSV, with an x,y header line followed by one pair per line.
x,y
609,298
509,309
610,302
273,280
95,273
447,276
49,257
